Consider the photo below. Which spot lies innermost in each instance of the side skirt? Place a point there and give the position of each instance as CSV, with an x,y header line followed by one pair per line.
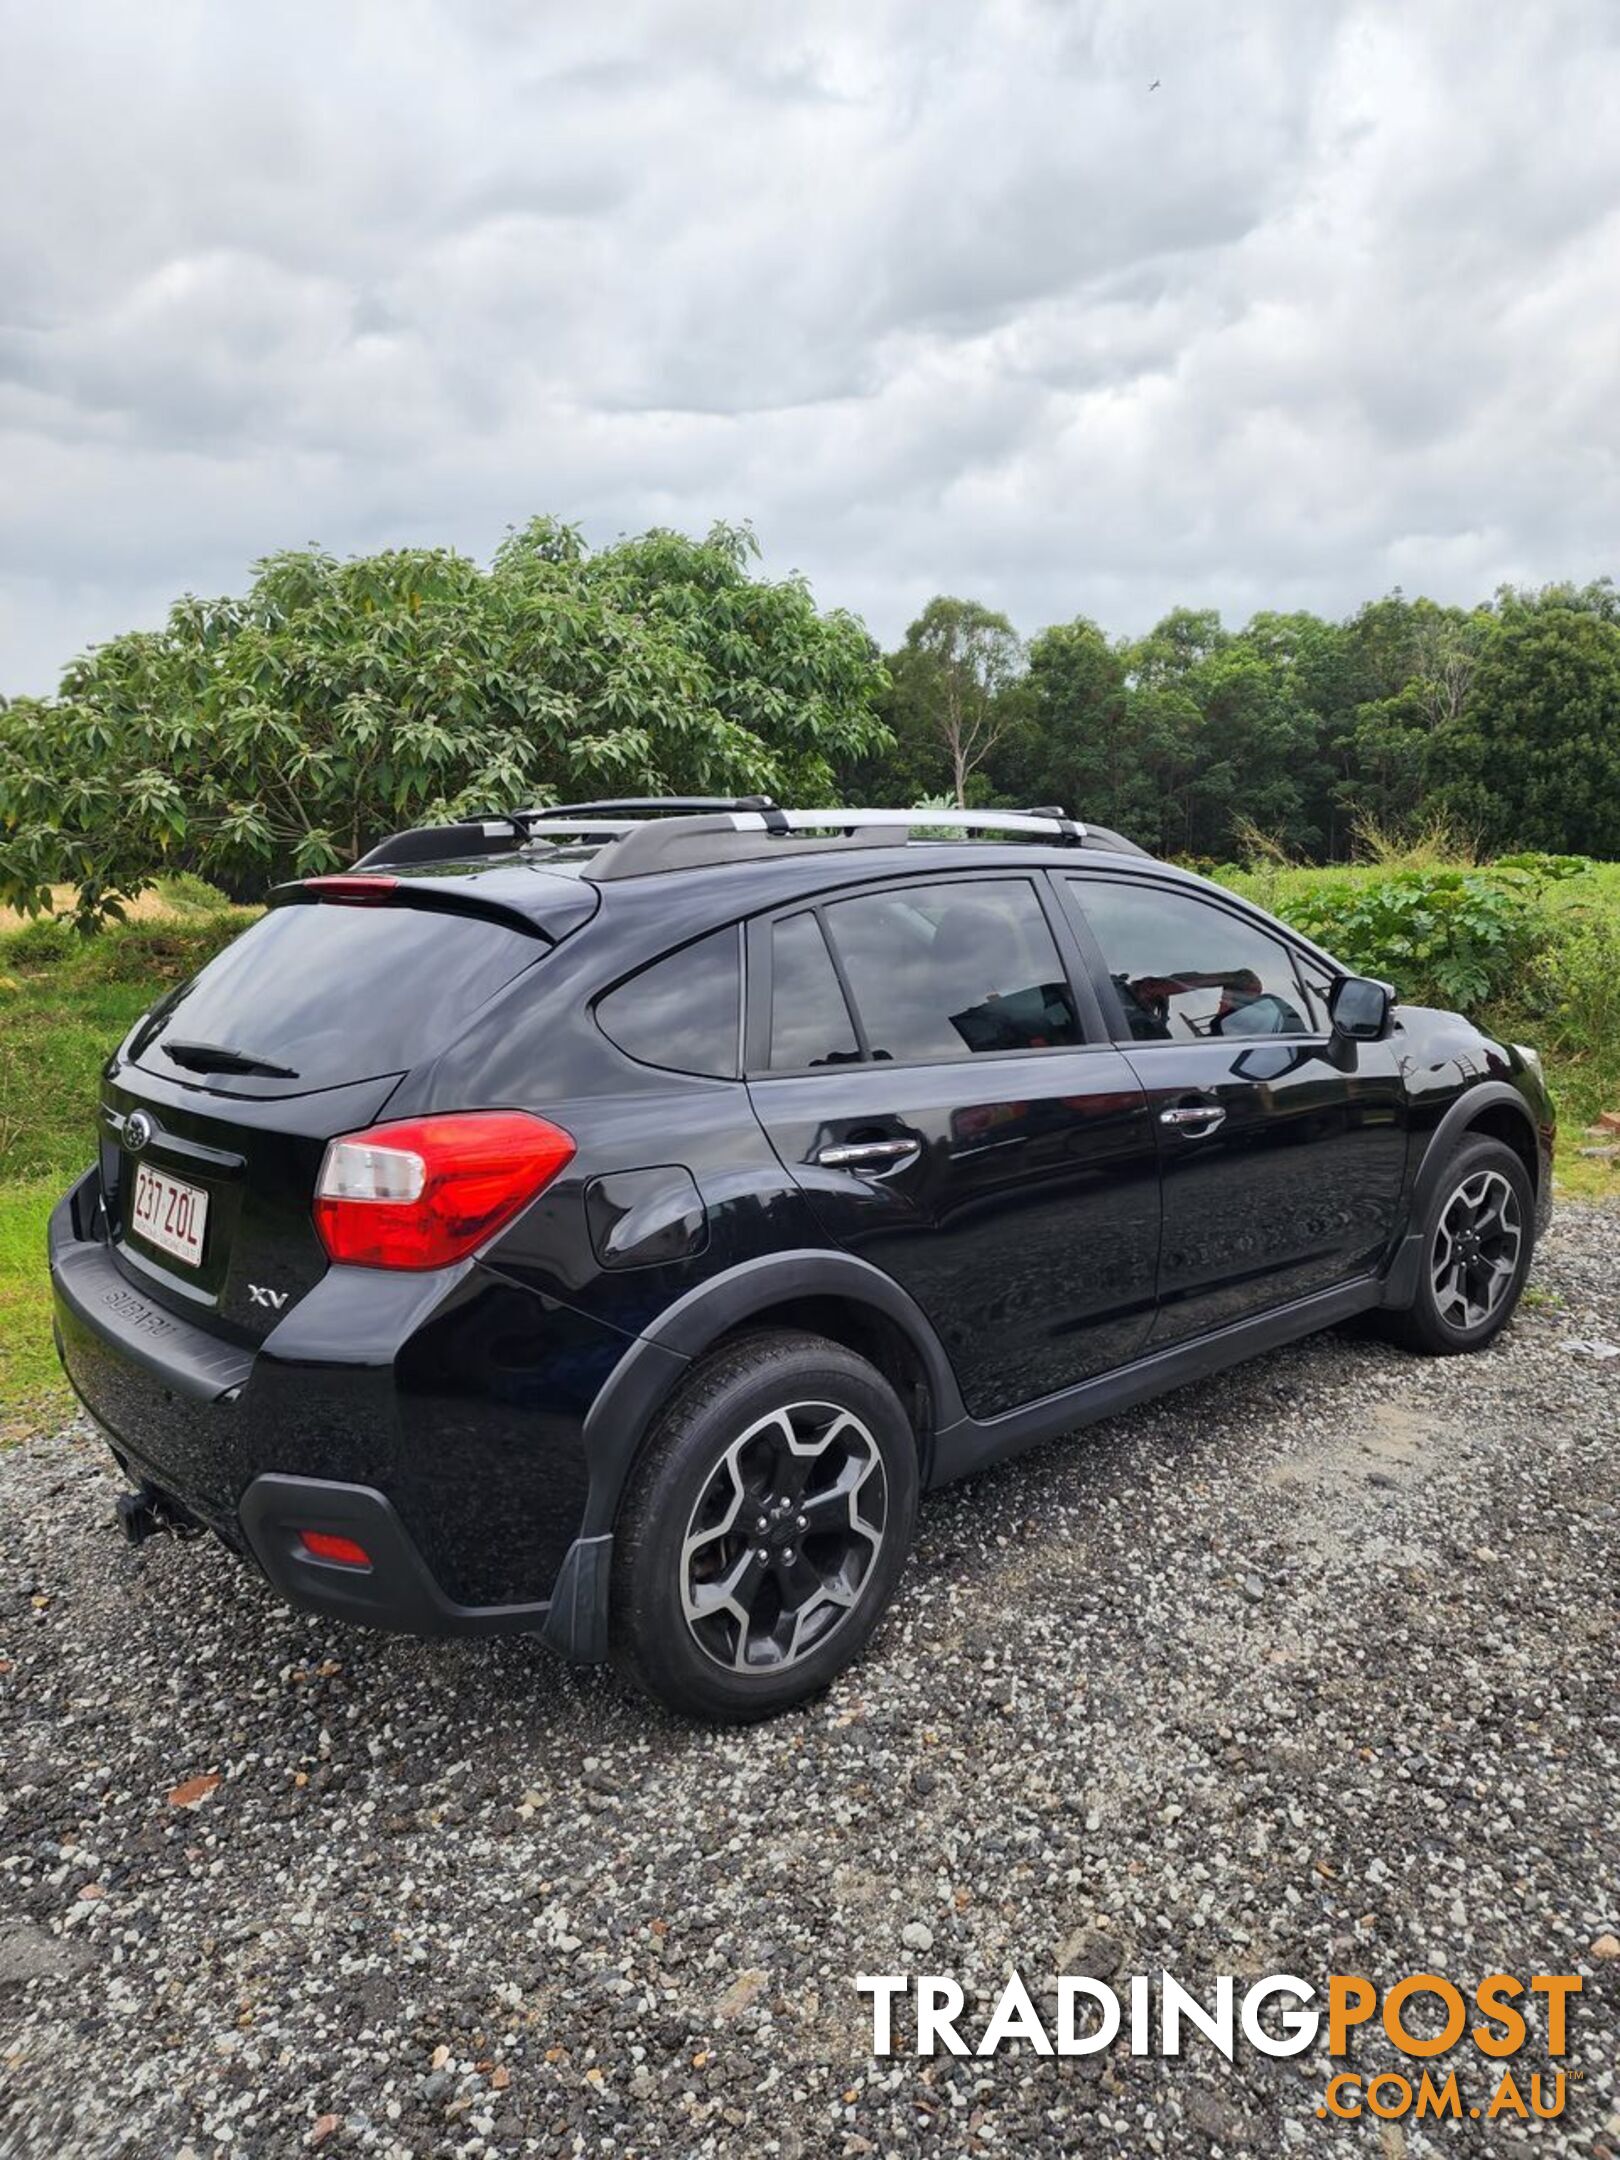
x,y
974,1443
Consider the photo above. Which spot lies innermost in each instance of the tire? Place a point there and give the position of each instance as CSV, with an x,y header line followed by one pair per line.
x,y
1478,1234
728,1601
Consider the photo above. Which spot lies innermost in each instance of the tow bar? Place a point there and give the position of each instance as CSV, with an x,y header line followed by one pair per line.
x,y
146,1512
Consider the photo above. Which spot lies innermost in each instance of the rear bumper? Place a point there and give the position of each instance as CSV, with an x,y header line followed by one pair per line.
x,y
397,1590
452,1411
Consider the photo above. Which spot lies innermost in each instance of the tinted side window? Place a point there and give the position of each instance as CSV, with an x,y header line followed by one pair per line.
x,y
943,971
1186,971
810,1023
681,1012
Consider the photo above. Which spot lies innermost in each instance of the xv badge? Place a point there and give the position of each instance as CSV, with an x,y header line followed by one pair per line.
x,y
258,1295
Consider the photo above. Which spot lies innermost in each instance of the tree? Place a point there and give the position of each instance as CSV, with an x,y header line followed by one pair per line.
x,y
1176,740
1429,674
1071,744
1257,753
1312,658
956,667
283,732
1533,759
1598,597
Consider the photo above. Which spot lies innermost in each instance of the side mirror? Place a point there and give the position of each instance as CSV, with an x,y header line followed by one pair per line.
x,y
1359,1008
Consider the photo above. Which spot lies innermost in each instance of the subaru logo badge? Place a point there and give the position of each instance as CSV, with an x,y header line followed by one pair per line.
x,y
137,1131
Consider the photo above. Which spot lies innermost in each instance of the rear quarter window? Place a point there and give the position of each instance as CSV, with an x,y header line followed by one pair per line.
x,y
683,1013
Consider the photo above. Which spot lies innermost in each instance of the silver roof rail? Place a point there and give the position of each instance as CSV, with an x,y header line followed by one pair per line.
x,y
642,806
628,836
680,843
1041,824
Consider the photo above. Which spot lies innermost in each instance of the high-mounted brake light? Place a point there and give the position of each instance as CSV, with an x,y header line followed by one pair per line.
x,y
425,1191
339,887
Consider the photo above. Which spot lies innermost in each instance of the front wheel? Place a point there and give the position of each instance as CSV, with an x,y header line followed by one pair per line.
x,y
1477,1239
765,1529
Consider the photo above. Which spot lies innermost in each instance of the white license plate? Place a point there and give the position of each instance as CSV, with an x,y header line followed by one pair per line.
x,y
170,1214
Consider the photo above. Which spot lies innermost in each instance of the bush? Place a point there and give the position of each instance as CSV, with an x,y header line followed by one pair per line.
x,y
41,943
187,894
1577,985
158,952
1550,869
1463,938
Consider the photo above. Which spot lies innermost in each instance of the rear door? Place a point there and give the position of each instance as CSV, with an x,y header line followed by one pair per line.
x,y
931,1068
1284,1149
216,1112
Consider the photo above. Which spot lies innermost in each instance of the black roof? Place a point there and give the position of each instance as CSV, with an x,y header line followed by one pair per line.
x,y
543,864
690,870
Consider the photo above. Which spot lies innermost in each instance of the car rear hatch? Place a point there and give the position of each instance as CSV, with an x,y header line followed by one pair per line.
x,y
216,1112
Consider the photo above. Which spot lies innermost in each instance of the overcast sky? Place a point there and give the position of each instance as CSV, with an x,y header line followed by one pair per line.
x,y
939,294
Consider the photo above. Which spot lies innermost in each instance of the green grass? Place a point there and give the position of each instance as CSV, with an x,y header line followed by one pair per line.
x,y
65,1002
1583,1047
31,1385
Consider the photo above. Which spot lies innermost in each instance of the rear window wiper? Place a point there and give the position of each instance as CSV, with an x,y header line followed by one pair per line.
x,y
219,1057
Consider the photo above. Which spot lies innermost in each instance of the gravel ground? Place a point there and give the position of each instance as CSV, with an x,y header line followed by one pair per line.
x,y
1311,1669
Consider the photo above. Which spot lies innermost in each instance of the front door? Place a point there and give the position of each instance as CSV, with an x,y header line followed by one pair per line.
x,y
921,1058
1283,1147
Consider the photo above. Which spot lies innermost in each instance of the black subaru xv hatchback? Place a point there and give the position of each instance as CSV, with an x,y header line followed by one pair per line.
x,y
606,1221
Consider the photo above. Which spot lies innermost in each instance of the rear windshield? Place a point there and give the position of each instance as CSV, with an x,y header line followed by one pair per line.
x,y
331,993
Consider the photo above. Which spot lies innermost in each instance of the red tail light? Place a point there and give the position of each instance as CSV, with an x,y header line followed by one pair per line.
x,y
425,1191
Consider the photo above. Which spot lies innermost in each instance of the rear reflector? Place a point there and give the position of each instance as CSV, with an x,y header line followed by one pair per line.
x,y
425,1191
322,1545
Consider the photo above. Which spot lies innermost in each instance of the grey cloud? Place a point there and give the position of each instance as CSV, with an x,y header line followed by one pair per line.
x,y
938,294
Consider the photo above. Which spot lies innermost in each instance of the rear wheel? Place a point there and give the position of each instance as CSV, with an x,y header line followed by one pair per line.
x,y
765,1529
1477,1239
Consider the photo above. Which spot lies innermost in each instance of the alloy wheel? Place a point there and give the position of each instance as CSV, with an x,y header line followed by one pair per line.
x,y
783,1537
1477,1242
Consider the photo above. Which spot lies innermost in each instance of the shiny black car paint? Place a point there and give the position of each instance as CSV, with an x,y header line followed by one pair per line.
x,y
1052,1253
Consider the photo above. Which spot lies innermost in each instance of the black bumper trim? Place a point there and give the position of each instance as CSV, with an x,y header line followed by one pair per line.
x,y
398,1590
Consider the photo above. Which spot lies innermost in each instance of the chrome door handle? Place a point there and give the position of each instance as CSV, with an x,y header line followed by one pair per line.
x,y
869,1154
1194,1119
